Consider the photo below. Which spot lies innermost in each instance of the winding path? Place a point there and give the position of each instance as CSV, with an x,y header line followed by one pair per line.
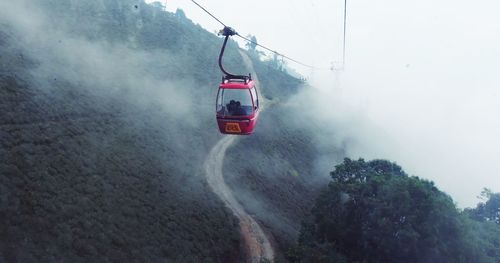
x,y
257,245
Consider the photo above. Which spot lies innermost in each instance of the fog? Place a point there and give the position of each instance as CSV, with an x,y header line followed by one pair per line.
x,y
419,88
98,65
141,86
102,67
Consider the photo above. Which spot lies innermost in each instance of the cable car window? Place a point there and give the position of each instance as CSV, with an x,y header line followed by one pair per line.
x,y
237,102
219,108
255,97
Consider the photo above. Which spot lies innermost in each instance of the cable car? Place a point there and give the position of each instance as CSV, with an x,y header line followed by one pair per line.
x,y
237,105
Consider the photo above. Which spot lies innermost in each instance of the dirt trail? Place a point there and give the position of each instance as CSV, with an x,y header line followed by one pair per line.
x,y
257,245
248,63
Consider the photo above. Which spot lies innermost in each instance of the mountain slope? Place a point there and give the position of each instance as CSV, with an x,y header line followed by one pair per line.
x,y
274,172
91,167
107,118
84,178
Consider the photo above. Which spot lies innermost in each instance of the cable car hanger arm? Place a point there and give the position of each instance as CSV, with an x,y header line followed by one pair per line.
x,y
250,41
227,32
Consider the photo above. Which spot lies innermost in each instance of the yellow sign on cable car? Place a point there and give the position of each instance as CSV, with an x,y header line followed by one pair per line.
x,y
233,127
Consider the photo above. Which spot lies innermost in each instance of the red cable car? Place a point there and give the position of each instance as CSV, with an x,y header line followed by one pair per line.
x,y
237,105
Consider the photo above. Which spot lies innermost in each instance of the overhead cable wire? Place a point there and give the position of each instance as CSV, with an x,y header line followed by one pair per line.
x,y
210,14
344,40
277,53
257,44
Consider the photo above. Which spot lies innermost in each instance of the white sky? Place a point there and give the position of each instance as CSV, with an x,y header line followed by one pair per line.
x,y
426,73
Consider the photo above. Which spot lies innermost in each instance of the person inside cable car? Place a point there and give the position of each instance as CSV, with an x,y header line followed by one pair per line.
x,y
238,102
230,107
240,111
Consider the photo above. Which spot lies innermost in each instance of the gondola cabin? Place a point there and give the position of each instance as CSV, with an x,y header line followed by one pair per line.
x,y
237,106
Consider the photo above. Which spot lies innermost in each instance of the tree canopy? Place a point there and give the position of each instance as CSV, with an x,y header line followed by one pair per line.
x,y
489,210
374,212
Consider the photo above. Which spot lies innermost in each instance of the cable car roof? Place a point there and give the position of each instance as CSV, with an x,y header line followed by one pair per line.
x,y
237,84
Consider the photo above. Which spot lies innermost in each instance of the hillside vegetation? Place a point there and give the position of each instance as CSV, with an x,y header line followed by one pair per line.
x,y
374,212
106,121
107,117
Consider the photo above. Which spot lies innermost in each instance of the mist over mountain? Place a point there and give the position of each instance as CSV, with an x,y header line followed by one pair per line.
x,y
107,119
106,122
101,147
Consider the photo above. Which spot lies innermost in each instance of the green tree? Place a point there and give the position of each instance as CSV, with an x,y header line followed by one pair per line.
x,y
252,44
252,47
487,211
180,14
374,212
